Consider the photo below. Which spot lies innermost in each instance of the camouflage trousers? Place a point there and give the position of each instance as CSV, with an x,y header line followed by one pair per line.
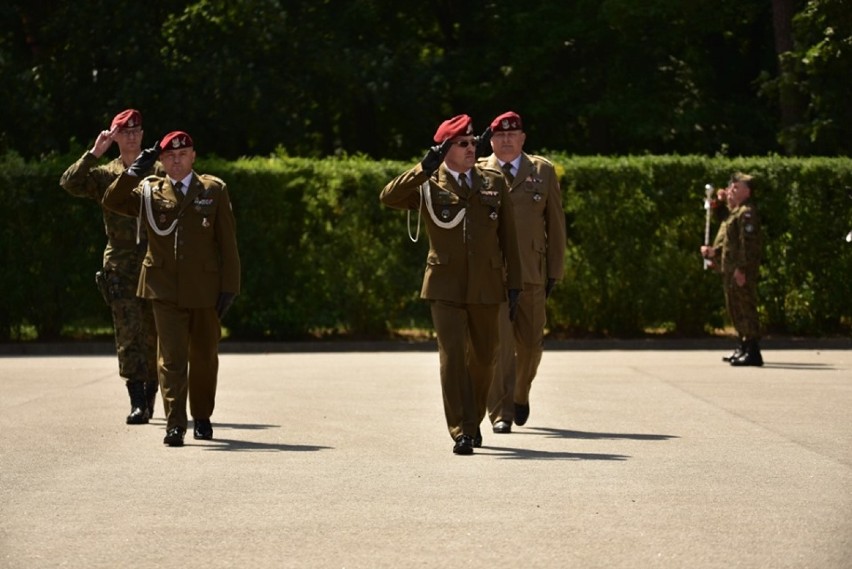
x,y
135,332
741,302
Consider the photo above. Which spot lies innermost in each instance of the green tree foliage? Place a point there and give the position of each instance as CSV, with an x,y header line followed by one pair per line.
x,y
325,77
817,70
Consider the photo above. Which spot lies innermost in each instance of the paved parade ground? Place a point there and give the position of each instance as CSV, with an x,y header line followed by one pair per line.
x,y
632,458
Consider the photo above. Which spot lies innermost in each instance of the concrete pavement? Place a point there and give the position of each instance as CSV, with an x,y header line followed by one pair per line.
x,y
630,459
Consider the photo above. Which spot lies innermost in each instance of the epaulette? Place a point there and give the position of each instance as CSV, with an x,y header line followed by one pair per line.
x,y
537,158
209,180
151,178
489,169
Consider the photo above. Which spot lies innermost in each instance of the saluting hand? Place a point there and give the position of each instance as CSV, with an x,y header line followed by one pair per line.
x,y
435,156
145,160
483,143
103,141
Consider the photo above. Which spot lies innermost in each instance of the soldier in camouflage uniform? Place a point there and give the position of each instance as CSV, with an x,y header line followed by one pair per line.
x,y
135,334
738,244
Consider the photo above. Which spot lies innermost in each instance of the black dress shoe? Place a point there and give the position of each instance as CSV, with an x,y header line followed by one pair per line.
x,y
748,360
174,437
137,416
522,413
733,355
464,445
477,439
502,427
203,429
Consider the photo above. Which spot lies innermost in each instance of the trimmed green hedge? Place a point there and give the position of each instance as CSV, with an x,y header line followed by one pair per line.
x,y
321,255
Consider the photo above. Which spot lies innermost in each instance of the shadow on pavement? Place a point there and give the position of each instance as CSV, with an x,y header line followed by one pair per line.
x,y
232,445
568,434
796,365
507,453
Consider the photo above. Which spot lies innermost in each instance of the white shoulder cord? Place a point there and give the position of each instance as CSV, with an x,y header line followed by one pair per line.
x,y
416,235
424,188
146,198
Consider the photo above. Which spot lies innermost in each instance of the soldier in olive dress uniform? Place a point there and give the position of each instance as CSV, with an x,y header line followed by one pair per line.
x,y
738,244
132,317
540,220
472,245
191,272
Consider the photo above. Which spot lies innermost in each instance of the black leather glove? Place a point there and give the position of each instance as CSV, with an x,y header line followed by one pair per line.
x,y
483,143
223,303
514,294
435,156
548,288
145,160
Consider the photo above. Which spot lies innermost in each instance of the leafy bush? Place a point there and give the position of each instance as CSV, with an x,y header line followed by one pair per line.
x,y
321,255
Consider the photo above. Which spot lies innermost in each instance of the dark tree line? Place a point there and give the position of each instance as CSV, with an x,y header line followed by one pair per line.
x,y
319,77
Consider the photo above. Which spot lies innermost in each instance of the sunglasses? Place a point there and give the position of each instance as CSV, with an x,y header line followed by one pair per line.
x,y
464,143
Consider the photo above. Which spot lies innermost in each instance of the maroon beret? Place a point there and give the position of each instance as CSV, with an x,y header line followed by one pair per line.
x,y
127,119
507,121
175,140
459,125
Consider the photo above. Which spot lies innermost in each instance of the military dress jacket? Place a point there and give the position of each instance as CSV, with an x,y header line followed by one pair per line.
x,y
472,237
742,241
192,244
86,179
539,217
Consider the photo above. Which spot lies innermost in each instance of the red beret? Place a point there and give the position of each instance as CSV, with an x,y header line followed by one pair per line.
x,y
127,119
507,121
459,125
175,139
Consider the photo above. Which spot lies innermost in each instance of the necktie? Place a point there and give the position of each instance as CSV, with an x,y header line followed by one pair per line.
x,y
465,186
507,171
179,187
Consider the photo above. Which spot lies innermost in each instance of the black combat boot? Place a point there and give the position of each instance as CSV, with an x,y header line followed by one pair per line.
x,y
138,403
735,354
151,388
751,356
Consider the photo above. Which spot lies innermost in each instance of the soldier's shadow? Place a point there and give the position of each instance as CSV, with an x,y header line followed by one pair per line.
x,y
226,444
798,365
588,435
508,453
235,445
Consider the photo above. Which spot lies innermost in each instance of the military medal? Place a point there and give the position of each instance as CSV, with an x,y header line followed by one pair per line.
x,y
205,223
537,198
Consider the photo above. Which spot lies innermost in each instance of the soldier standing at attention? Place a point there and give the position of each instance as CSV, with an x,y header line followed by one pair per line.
x,y
540,221
473,257
191,272
738,244
133,320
